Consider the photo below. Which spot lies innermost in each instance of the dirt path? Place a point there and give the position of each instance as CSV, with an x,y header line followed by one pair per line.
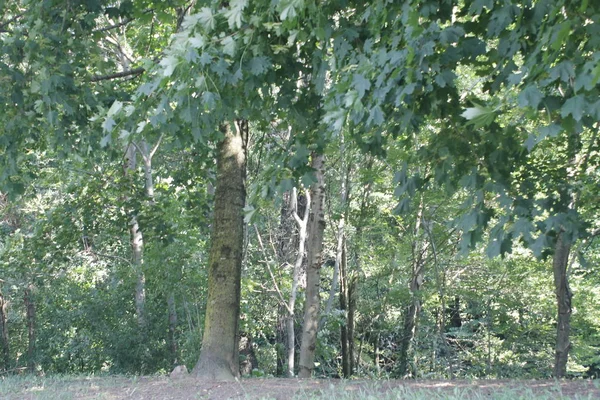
x,y
164,388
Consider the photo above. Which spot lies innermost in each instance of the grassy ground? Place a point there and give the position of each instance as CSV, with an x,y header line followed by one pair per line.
x,y
164,388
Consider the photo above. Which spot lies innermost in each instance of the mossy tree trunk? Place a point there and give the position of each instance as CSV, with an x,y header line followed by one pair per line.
x,y
219,355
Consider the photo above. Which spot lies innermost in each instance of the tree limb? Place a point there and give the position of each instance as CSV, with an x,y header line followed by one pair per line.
x,y
110,27
122,74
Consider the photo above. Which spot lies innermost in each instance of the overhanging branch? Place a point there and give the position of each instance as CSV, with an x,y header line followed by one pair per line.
x,y
116,75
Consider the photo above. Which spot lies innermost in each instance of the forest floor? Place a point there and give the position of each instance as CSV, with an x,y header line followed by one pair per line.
x,y
164,388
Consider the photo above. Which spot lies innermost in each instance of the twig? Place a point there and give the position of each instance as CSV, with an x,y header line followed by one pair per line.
x,y
262,247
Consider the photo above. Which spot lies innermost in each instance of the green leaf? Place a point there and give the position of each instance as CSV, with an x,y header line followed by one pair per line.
x,y
108,125
361,84
168,63
234,13
259,65
288,8
375,115
197,41
105,141
565,70
530,97
249,212
574,106
562,34
207,19
228,45
114,108
479,116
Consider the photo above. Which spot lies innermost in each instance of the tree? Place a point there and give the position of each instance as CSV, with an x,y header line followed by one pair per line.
x,y
316,227
219,356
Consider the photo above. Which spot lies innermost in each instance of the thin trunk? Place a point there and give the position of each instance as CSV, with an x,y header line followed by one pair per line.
x,y
358,268
281,340
219,355
137,247
313,277
347,305
290,322
173,350
344,195
563,298
417,275
350,322
31,331
346,356
4,343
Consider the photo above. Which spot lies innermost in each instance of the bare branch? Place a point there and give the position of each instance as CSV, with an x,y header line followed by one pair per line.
x,y
156,146
262,247
123,74
110,27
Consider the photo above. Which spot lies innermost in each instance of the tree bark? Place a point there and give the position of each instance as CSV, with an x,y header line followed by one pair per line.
x,y
31,331
290,322
418,248
4,343
346,330
563,297
219,355
316,229
137,247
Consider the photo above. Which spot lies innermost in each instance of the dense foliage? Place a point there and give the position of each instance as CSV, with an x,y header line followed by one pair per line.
x,y
461,154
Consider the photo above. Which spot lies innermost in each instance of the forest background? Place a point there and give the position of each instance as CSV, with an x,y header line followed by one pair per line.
x,y
391,188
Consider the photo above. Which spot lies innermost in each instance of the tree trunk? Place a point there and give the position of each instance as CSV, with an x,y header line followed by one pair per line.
x,y
4,343
281,340
418,248
341,236
290,322
345,329
173,350
137,247
316,229
563,298
31,331
350,322
219,355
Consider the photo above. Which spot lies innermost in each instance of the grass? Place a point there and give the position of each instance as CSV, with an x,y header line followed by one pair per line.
x,y
27,387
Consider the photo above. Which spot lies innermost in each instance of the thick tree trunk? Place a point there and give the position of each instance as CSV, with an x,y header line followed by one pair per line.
x,y
316,229
563,297
219,355
31,331
4,343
